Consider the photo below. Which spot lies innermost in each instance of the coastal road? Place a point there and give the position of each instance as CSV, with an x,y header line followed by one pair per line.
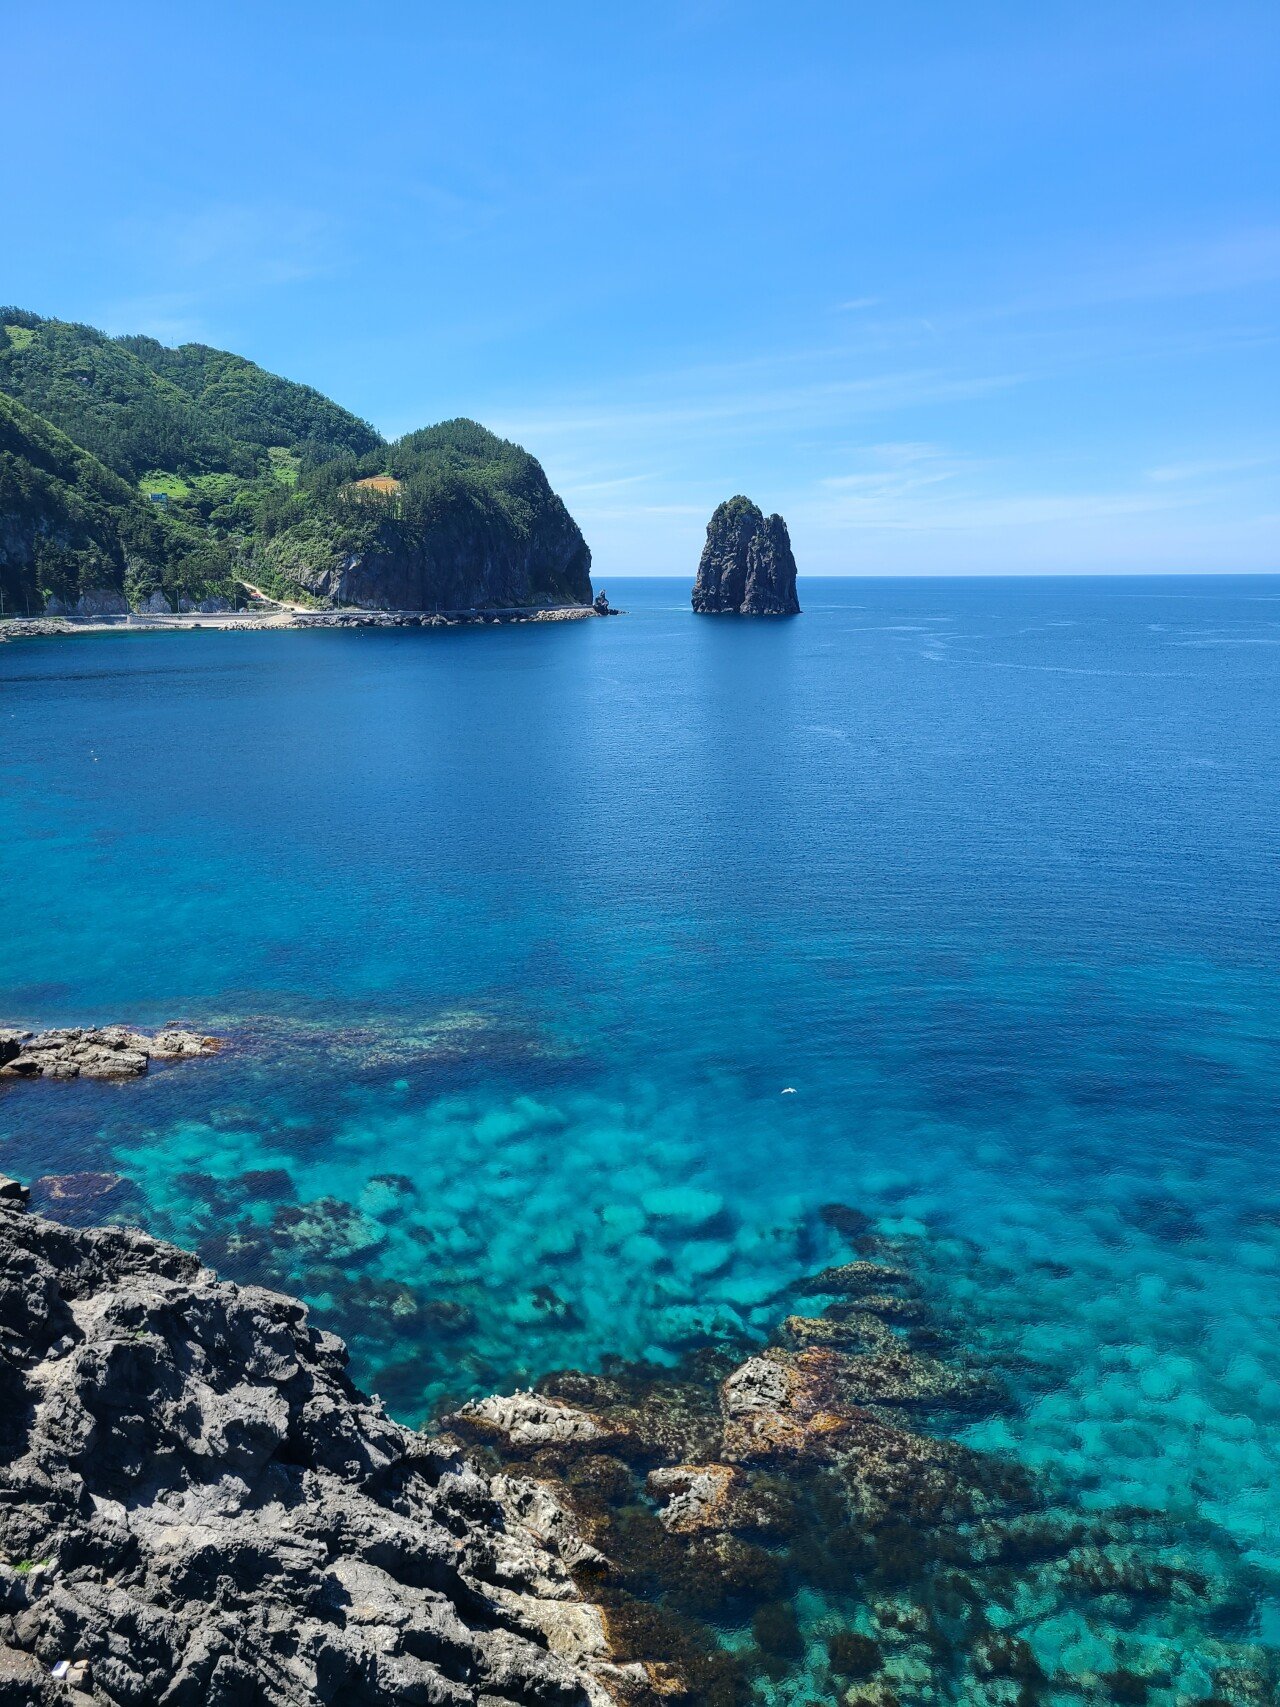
x,y
267,598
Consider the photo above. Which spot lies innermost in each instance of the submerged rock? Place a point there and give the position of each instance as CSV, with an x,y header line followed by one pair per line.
x,y
808,1493
88,1198
685,1204
528,1419
60,1190
198,1508
96,1052
352,1047
696,1495
854,1280
327,1228
747,567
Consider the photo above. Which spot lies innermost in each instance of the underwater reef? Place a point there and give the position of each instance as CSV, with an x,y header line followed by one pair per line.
x,y
779,1461
794,1525
197,1504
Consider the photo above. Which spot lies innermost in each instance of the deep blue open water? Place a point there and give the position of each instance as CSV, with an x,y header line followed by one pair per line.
x,y
519,935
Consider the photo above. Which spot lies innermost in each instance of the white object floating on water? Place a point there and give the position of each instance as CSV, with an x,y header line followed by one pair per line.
x,y
788,1090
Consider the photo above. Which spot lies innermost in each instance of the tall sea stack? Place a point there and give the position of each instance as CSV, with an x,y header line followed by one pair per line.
x,y
747,568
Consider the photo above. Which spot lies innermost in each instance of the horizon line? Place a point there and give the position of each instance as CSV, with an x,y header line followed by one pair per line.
x,y
988,575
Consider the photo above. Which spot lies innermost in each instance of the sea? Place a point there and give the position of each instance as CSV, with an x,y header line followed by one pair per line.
x,y
568,971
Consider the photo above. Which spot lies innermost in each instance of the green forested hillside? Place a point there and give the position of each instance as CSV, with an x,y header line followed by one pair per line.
x,y
137,405
69,524
255,408
132,469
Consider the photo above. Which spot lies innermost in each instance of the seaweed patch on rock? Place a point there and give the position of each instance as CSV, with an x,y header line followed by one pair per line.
x,y
797,1525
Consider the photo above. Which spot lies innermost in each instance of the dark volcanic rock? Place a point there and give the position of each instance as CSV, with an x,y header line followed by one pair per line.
x,y
198,1509
747,568
457,564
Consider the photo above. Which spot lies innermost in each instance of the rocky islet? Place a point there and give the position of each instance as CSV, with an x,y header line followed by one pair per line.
x,y
747,567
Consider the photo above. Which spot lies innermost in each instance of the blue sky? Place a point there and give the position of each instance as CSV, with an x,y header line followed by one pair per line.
x,y
958,289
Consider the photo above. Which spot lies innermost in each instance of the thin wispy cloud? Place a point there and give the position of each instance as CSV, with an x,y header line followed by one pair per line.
x,y
1193,265
1180,472
633,512
746,412
239,247
968,511
571,485
929,487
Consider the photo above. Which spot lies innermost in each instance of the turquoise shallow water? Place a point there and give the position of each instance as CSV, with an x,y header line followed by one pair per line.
x,y
519,936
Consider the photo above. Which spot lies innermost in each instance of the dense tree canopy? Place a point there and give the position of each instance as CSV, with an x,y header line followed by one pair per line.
x,y
137,405
253,407
68,523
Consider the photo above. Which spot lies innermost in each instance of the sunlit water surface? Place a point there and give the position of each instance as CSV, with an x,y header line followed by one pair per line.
x,y
519,936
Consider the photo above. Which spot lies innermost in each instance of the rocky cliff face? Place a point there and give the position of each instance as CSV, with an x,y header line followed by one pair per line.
x,y
747,567
456,562
460,563
198,1509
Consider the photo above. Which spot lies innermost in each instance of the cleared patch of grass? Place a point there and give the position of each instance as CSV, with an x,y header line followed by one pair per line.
x,y
214,485
284,465
158,480
21,337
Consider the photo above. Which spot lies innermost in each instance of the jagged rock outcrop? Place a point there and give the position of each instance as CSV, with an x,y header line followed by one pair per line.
x,y
747,567
198,1509
96,1052
527,1419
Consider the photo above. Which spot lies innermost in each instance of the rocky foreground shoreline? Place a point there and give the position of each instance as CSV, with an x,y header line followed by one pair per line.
x,y
198,1508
